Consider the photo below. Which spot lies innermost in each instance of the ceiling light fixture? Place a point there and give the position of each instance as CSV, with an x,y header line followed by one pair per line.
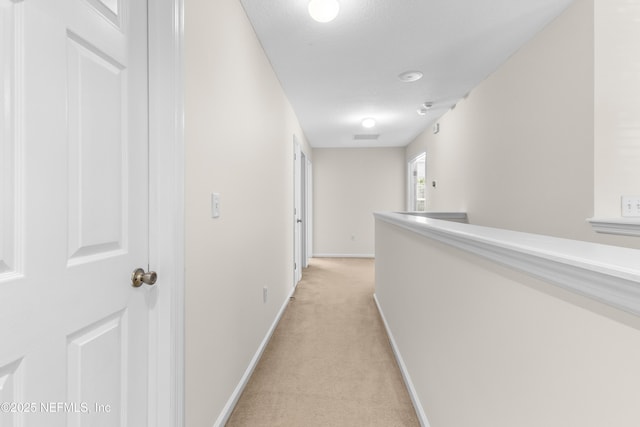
x,y
324,10
368,123
410,76
424,108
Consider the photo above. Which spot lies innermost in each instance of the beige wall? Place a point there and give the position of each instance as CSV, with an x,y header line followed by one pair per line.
x,y
486,346
348,186
518,153
522,152
239,142
617,105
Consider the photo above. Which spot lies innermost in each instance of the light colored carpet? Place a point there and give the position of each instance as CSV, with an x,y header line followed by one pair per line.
x,y
329,361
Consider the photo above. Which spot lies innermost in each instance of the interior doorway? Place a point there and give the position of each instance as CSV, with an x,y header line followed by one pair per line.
x,y
309,212
302,212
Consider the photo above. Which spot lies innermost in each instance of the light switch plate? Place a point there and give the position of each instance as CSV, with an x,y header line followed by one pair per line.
x,y
215,205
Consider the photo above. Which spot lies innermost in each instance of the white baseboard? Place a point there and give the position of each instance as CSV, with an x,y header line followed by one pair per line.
x,y
231,403
422,417
344,256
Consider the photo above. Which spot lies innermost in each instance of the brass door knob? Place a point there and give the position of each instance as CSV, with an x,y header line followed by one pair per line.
x,y
138,277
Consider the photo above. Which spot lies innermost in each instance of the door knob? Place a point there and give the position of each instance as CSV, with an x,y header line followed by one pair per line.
x,y
138,277
298,220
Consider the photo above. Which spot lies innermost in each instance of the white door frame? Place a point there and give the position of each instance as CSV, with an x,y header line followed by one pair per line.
x,y
297,209
166,211
309,219
303,210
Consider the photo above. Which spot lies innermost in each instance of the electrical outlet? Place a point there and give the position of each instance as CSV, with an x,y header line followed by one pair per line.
x,y
630,206
265,294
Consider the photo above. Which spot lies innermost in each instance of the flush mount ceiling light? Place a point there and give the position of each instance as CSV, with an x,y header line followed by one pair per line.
x,y
368,123
324,10
410,76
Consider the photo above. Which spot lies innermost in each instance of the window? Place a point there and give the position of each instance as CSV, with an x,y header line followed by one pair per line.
x,y
416,184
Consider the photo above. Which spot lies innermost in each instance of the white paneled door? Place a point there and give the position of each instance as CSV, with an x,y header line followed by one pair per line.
x,y
74,339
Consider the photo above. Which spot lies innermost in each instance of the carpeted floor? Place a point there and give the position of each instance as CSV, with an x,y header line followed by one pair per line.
x,y
329,362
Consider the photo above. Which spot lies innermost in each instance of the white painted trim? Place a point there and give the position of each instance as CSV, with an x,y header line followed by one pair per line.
x,y
231,403
309,221
417,405
620,226
344,255
609,274
449,216
166,228
297,207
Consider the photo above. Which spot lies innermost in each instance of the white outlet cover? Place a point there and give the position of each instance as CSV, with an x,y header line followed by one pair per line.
x,y
630,206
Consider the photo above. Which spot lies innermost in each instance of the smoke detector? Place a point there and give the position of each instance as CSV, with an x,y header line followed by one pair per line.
x,y
410,76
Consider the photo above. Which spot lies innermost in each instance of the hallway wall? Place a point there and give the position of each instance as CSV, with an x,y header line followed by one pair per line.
x,y
617,104
239,143
518,153
521,152
490,346
349,184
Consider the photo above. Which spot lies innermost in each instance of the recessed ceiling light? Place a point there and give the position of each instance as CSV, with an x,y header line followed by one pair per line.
x,y
368,123
424,108
410,76
324,10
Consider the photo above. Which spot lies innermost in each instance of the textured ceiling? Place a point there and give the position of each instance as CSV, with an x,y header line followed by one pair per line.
x,y
337,73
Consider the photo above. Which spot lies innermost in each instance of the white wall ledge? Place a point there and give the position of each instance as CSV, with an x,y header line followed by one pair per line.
x,y
609,274
620,226
449,216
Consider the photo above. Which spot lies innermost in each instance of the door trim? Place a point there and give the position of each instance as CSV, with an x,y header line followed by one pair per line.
x,y
166,211
297,251
303,210
309,219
